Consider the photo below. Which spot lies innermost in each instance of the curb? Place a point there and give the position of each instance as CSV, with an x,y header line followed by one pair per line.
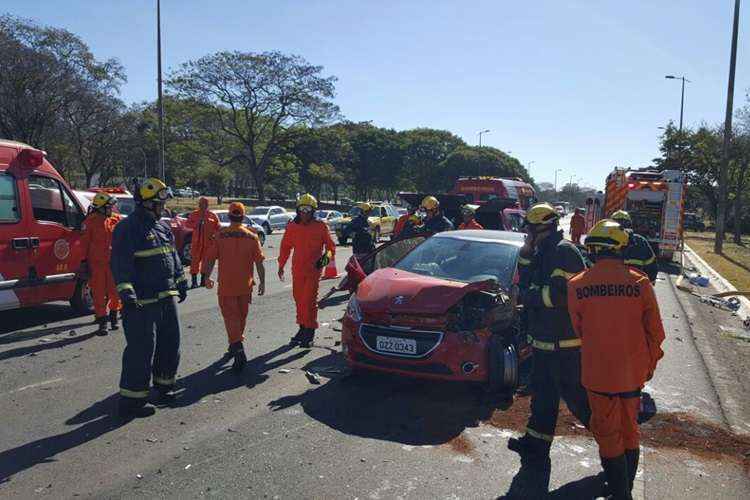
x,y
719,376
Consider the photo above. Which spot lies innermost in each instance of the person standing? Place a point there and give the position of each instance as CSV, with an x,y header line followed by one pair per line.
x,y
97,249
204,224
614,311
547,261
313,248
238,251
638,253
149,275
435,221
469,212
577,226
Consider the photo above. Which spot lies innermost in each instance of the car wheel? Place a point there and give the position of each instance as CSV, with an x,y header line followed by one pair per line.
x,y
82,301
267,227
503,366
185,252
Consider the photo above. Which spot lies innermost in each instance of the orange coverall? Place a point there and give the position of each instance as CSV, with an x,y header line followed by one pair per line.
x,y
97,248
238,250
614,311
472,224
204,224
308,242
577,228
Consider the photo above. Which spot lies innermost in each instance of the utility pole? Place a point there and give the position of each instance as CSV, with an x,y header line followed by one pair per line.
x,y
556,171
722,208
160,103
480,136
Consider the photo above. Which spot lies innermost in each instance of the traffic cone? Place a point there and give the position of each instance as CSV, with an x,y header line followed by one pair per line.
x,y
330,271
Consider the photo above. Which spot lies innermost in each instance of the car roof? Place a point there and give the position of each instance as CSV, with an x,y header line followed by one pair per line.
x,y
507,237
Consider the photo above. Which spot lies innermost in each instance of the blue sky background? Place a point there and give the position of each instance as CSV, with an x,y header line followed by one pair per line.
x,y
571,85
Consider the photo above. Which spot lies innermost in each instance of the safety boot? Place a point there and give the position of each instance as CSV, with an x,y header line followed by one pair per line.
x,y
294,341
616,470
240,359
165,393
530,447
193,281
129,408
113,325
631,456
102,330
308,336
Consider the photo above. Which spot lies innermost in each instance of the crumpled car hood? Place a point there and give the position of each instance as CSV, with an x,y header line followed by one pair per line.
x,y
393,291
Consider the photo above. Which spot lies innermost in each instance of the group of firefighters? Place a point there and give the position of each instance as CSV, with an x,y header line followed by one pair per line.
x,y
595,328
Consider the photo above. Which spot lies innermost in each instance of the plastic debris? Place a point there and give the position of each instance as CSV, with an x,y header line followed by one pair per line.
x,y
152,440
698,280
188,466
139,476
284,370
678,339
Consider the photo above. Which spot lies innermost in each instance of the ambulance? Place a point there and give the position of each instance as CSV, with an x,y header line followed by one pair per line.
x,y
41,221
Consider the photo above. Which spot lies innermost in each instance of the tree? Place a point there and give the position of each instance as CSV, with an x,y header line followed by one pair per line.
x,y
425,150
315,147
256,99
476,161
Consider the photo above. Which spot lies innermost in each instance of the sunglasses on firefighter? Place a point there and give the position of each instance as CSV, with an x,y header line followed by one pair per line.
x,y
305,209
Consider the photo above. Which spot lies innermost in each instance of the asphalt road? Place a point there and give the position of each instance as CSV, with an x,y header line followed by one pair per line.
x,y
271,433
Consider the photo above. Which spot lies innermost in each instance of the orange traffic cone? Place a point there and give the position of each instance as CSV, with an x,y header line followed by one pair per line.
x,y
330,271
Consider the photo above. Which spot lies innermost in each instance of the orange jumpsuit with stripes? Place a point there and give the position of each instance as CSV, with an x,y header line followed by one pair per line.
x,y
472,224
238,251
97,248
614,311
308,241
204,224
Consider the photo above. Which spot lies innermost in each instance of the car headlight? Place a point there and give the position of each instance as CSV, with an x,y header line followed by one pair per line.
x,y
353,311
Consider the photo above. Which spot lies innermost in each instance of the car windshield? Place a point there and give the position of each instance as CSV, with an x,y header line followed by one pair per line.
x,y
465,260
321,214
259,211
223,216
126,206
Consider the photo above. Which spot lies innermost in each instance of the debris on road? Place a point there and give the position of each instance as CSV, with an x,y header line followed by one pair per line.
x,y
152,440
285,370
678,339
188,466
72,333
139,476
312,378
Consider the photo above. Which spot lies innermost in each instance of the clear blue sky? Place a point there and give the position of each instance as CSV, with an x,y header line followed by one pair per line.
x,y
572,85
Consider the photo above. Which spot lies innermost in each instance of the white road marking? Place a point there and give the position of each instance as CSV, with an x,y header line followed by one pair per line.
x,y
32,386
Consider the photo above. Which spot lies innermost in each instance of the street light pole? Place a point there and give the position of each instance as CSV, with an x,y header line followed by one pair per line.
x,y
160,104
682,96
480,135
556,171
722,208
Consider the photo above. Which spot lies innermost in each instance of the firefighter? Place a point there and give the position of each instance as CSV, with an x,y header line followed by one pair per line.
x,y
638,253
362,240
97,249
468,212
204,224
577,226
435,221
313,249
614,311
149,275
238,251
547,261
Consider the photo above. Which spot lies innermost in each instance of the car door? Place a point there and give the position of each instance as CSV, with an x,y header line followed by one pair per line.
x,y
384,256
15,246
56,251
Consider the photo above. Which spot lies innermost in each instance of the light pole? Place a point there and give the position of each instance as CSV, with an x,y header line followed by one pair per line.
x,y
528,167
160,104
480,135
556,172
682,98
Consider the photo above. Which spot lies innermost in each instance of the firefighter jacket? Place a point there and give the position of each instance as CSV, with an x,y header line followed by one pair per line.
x,y
472,224
358,224
97,237
308,242
145,264
437,224
543,284
639,254
614,311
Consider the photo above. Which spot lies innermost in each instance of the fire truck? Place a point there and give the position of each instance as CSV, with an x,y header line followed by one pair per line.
x,y
480,190
655,201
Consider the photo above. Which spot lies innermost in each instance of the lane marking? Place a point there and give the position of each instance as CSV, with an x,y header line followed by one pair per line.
x,y
32,386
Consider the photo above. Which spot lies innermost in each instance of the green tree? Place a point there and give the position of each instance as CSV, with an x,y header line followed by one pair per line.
x,y
425,150
476,161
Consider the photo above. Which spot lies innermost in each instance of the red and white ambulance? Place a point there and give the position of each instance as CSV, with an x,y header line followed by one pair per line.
x,y
40,230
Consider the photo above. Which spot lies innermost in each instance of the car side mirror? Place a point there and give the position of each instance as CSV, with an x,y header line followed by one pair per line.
x,y
78,220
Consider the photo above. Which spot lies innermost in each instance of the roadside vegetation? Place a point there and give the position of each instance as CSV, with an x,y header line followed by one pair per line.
x,y
733,264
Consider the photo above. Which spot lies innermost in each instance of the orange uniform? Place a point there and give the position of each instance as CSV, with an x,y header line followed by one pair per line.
x,y
97,247
614,311
577,228
204,224
238,251
400,223
308,242
472,224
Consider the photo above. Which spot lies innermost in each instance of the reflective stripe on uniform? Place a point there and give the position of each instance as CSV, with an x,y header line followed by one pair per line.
x,y
523,262
546,437
125,286
164,381
547,297
161,295
552,346
166,249
638,262
181,279
133,394
563,273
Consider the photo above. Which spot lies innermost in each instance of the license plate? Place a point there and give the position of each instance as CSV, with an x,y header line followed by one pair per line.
x,y
396,345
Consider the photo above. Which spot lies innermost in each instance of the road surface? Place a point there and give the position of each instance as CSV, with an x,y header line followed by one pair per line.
x,y
271,433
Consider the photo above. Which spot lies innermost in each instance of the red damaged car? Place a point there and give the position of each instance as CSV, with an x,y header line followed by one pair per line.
x,y
440,307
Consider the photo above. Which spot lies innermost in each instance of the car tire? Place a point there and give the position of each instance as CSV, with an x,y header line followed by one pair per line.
x,y
185,252
82,301
267,228
503,366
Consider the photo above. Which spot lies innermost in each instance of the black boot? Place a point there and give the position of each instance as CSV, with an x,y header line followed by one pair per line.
x,y
102,330
113,325
238,351
308,337
531,447
165,393
203,280
632,458
128,408
294,341
616,470
193,281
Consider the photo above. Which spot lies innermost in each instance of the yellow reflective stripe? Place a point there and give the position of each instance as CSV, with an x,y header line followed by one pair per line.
x,y
562,273
161,295
144,302
181,279
551,346
523,262
570,343
166,249
546,297
133,394
638,262
125,286
164,381
544,346
546,437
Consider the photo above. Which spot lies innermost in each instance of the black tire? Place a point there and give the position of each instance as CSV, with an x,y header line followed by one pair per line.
x,y
82,302
267,228
185,252
503,367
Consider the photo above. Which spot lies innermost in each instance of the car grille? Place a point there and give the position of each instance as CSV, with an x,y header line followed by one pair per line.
x,y
432,368
426,340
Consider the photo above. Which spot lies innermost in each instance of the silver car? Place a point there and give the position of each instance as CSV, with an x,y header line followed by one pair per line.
x,y
271,217
223,216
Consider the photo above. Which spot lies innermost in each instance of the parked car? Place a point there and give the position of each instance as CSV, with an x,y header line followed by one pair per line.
x,y
382,221
328,215
401,211
125,201
440,307
223,216
271,217
186,192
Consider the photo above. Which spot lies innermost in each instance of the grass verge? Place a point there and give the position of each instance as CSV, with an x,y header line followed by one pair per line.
x,y
734,264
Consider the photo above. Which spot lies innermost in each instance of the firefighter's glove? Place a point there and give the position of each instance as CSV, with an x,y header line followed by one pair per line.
x,y
323,261
182,292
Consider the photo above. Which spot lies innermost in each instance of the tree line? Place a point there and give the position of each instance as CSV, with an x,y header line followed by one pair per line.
x,y
236,123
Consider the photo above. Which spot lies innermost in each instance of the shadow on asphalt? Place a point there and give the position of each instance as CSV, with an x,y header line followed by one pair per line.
x,y
407,411
532,482
672,268
19,319
35,349
98,419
